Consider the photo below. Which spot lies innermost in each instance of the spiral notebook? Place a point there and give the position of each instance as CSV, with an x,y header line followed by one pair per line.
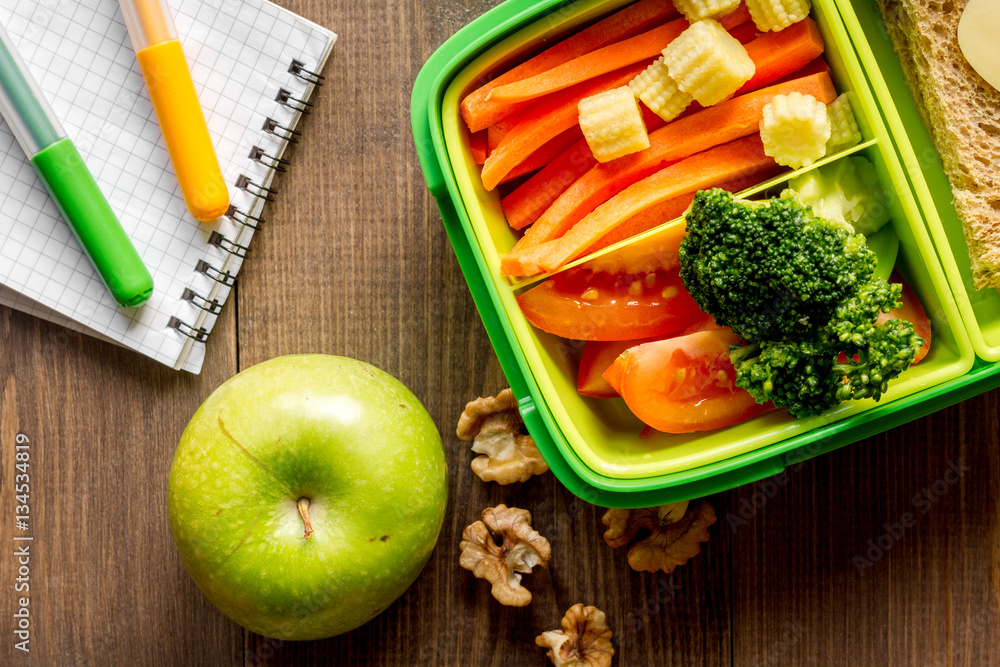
x,y
255,66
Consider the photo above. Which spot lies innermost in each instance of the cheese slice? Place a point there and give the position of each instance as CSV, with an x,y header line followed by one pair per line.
x,y
978,30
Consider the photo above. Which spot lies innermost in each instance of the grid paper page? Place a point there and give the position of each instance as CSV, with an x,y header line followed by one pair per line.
x,y
81,56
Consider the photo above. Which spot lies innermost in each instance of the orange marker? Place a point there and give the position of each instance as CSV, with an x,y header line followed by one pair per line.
x,y
177,108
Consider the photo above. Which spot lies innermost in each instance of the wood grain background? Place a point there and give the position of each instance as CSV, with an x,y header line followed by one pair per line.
x,y
354,261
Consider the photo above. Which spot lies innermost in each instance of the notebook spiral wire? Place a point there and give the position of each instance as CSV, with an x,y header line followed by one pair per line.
x,y
222,277
216,239
200,334
294,103
226,245
213,306
241,218
272,126
244,182
298,68
257,154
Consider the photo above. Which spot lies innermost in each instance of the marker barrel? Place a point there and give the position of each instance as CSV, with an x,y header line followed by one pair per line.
x,y
149,22
22,103
84,206
70,183
178,110
184,130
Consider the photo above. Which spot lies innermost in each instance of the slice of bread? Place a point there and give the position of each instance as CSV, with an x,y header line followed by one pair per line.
x,y
962,114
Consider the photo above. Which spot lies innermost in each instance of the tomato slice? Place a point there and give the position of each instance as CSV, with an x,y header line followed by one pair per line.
x,y
912,311
598,355
706,323
684,384
596,358
584,305
660,250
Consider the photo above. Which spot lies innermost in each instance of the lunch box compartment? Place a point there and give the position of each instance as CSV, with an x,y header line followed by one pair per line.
x,y
593,445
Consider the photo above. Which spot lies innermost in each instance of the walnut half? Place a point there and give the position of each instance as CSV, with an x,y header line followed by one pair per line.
x,y
676,531
584,641
507,453
500,548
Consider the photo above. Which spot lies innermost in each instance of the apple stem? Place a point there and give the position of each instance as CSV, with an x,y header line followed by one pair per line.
x,y
303,505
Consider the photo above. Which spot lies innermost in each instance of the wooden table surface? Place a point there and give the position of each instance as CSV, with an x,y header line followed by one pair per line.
x,y
811,568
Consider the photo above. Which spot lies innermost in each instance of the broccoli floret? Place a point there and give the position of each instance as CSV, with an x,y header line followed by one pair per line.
x,y
796,375
808,376
800,291
876,353
772,269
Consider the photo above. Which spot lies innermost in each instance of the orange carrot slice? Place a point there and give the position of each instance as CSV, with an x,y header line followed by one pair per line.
x,y
529,201
644,220
673,208
637,18
815,66
477,146
776,54
545,119
646,46
719,124
744,157
523,206
494,135
546,153
745,32
496,132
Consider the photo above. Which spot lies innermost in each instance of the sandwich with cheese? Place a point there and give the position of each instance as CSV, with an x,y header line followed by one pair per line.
x,y
962,113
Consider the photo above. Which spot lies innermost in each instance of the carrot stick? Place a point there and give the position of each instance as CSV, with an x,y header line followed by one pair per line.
x,y
496,132
494,135
545,119
477,146
630,21
673,208
546,153
776,54
523,206
719,124
744,157
745,32
655,215
815,66
646,46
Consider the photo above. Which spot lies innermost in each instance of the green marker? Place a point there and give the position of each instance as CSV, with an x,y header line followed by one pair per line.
x,y
70,183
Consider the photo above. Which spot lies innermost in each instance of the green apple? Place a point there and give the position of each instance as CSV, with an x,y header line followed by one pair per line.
x,y
306,495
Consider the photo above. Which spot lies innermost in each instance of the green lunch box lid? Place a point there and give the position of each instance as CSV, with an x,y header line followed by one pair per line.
x,y
430,88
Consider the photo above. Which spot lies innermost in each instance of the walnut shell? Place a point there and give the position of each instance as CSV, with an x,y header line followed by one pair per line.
x,y
500,548
507,453
585,639
673,539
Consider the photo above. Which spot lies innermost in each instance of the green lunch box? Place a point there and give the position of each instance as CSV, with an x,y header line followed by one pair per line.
x,y
593,445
